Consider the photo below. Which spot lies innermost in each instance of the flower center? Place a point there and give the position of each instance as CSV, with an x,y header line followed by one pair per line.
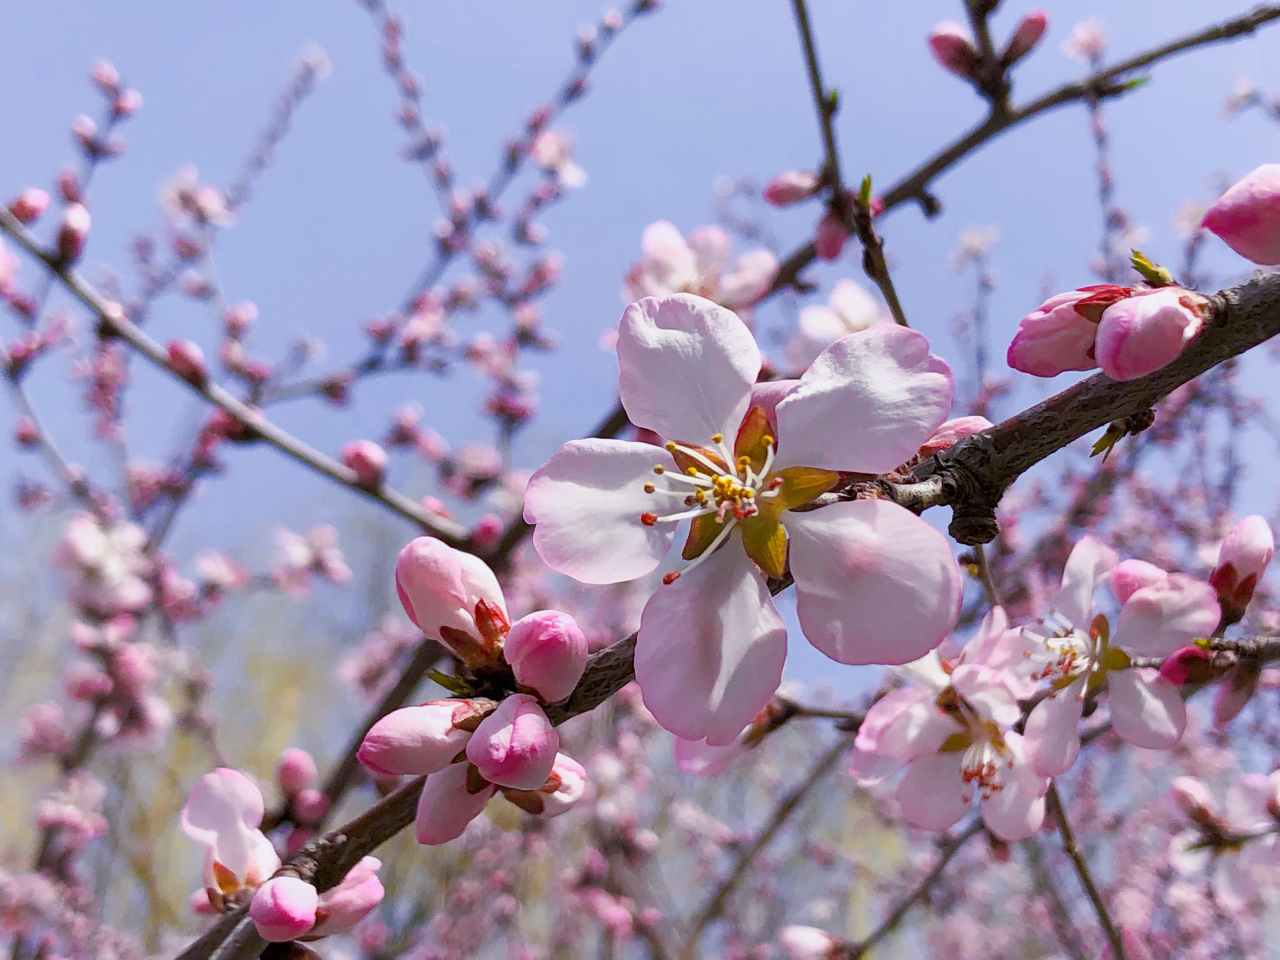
x,y
986,755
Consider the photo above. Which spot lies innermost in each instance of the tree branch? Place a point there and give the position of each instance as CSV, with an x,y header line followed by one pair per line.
x,y
1054,804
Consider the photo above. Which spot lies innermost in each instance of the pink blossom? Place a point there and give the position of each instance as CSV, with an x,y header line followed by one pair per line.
x,y
953,48
849,309
283,909
1232,841
1025,36
1242,560
223,812
105,564
1060,334
807,943
1141,334
1087,41
515,746
793,186
421,740
454,597
830,235
1247,216
548,652
345,905
552,151
874,583
450,800
367,460
700,264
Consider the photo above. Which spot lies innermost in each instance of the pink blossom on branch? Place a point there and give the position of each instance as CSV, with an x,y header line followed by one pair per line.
x,y
424,739
1025,36
1242,560
874,583
1247,216
793,186
953,48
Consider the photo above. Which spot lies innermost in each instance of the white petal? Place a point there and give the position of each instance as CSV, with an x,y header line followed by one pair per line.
x,y
1087,566
932,793
585,504
874,582
687,366
866,404
711,647
1146,709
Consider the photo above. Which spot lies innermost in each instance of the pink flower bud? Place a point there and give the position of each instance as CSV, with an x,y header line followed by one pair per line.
x,y
1242,559
1247,217
791,187
1234,692
1131,576
126,104
448,804
564,787
1188,665
310,806
26,433
515,746
548,652
952,432
807,943
239,319
186,359
296,771
350,901
284,908
421,740
1059,335
105,77
72,233
29,205
829,238
1141,334
487,532
951,47
1025,36
453,596
368,460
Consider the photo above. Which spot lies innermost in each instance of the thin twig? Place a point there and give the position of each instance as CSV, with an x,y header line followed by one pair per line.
x,y
1054,802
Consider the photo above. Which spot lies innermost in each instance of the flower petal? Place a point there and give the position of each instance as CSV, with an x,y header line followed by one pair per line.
x,y
932,793
866,404
1052,739
874,582
1089,563
903,724
1016,811
1146,709
710,649
585,504
1158,619
687,366
446,806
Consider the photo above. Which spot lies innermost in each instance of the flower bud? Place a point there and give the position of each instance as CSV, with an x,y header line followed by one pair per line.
x,y
1242,559
487,532
793,186
951,47
105,77
29,205
1141,334
186,359
368,460
421,740
1188,665
548,652
1059,335
448,803
1247,216
310,806
1025,36
952,432
296,771
829,238
515,746
284,908
239,318
350,901
807,943
564,787
72,233
26,433
453,596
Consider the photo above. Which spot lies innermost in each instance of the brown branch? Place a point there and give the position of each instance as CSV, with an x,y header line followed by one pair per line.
x,y
1054,804
1098,86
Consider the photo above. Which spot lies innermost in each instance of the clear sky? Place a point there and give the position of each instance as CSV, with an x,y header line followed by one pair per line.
x,y
340,226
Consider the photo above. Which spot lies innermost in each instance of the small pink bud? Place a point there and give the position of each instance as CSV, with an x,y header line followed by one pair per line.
x,y
26,433
105,77
126,104
1025,36
951,47
1188,665
1141,334
829,238
807,943
548,653
350,901
1059,335
791,187
368,460
239,318
296,771
29,205
72,233
284,908
1247,216
564,787
421,740
1242,560
487,533
310,806
952,432
186,359
448,804
515,746
1130,576
452,596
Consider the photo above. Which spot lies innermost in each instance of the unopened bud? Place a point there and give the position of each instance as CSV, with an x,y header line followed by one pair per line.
x,y
29,205
367,460
72,233
284,908
951,47
186,359
829,238
1247,216
516,745
1188,665
423,739
791,187
1242,560
296,771
1025,36
547,651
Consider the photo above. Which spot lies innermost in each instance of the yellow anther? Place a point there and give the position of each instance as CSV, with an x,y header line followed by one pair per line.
x,y
658,469
671,446
691,471
649,488
768,440
717,438
743,460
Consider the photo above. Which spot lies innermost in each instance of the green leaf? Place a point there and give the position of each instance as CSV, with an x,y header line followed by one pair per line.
x,y
864,192
1155,275
455,685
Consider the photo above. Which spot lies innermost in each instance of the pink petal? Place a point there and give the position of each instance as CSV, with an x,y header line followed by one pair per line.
x,y
445,807
1054,339
711,648
1130,576
415,740
586,503
866,404
1016,811
874,582
1157,620
1052,738
283,909
1247,216
1141,334
1089,563
686,367
515,746
701,759
1146,709
223,812
932,793
985,691
903,724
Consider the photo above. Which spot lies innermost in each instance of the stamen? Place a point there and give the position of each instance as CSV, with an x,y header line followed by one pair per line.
x,y
649,488
712,469
671,578
717,438
711,548
658,469
686,515
648,519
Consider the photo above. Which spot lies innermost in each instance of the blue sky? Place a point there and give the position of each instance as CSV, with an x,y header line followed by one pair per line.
x,y
340,225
